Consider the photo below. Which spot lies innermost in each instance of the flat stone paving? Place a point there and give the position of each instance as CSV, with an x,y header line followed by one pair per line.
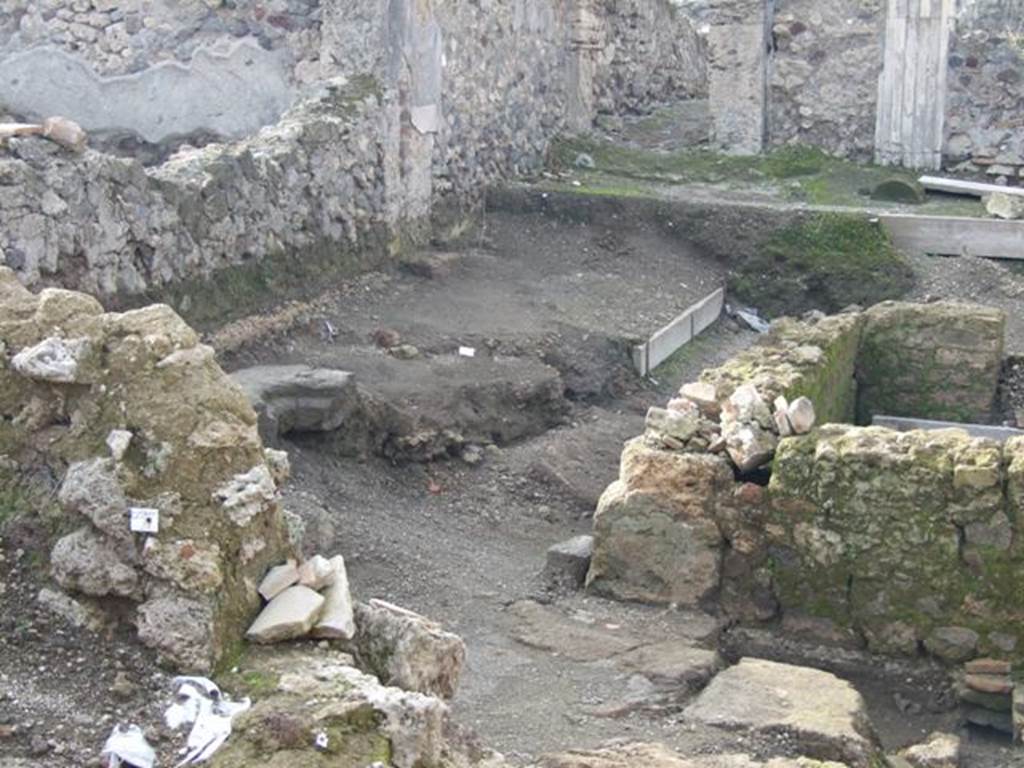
x,y
826,715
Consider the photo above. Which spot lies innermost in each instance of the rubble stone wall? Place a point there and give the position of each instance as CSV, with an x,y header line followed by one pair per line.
x,y
742,496
942,363
824,75
94,425
371,115
638,32
985,103
310,187
905,537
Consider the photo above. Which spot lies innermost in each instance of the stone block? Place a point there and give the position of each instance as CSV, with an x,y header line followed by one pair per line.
x,y
407,650
568,562
825,716
337,621
291,614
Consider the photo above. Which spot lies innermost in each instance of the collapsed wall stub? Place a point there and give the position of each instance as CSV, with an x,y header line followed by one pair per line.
x,y
129,415
908,538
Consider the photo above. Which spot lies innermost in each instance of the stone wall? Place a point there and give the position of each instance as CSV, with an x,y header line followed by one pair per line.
x,y
941,363
984,123
94,423
638,32
825,69
371,115
907,538
743,496
311,187
824,78
157,68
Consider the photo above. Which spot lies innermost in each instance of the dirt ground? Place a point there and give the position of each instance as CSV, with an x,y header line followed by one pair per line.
x,y
464,543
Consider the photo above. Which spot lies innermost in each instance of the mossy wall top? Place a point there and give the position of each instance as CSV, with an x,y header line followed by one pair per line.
x,y
812,358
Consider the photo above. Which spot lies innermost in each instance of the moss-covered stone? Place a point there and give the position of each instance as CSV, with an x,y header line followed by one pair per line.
x,y
799,359
313,708
872,529
935,361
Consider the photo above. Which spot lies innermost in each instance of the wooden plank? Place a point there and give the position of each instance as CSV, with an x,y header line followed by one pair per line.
x,y
904,424
956,236
666,341
970,188
910,110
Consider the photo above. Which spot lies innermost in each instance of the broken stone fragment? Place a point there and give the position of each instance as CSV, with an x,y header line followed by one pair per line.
x,y
749,445
337,621
86,562
1004,205
987,718
408,650
782,424
54,359
278,579
279,465
952,643
180,629
997,684
568,562
801,415
289,615
673,424
316,573
705,396
941,750
91,489
997,702
247,495
118,442
683,405
988,667
746,405
73,612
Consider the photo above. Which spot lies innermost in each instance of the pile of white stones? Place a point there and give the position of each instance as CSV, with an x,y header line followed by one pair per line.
x,y
311,599
743,425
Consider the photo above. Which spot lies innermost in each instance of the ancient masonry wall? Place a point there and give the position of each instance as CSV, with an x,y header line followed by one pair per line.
x,y
824,78
985,103
367,116
901,540
638,32
826,64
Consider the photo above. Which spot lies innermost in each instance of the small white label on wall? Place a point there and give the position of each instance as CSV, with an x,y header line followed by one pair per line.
x,y
145,519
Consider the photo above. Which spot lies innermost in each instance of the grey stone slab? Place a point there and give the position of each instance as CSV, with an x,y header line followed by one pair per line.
x,y
905,424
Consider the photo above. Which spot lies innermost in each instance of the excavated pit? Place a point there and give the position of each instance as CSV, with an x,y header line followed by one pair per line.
x,y
551,306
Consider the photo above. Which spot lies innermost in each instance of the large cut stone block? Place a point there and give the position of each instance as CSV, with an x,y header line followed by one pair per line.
x,y
824,715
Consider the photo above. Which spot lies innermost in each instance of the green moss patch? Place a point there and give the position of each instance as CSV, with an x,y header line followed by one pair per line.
x,y
786,174
828,261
